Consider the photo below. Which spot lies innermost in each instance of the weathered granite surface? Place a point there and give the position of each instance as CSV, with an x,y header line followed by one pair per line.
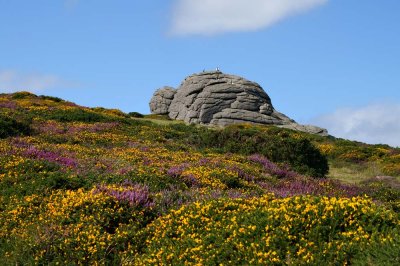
x,y
161,100
219,99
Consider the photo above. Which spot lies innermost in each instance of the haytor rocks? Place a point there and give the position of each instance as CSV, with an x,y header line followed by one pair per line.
x,y
218,99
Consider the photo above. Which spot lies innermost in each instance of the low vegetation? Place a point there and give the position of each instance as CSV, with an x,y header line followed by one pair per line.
x,y
97,186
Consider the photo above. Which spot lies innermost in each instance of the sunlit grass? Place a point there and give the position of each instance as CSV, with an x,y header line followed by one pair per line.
x,y
158,120
353,173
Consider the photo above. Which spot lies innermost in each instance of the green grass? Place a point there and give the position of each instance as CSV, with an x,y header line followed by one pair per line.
x,y
161,122
353,173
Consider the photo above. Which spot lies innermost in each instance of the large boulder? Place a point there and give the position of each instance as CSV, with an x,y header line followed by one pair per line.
x,y
218,99
161,100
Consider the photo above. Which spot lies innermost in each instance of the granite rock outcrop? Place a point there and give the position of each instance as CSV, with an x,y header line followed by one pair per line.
x,y
161,100
218,99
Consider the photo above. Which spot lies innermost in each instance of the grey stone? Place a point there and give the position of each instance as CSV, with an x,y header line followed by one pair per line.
x,y
307,128
161,100
218,99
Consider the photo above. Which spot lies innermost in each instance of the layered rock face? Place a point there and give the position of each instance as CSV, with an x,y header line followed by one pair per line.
x,y
218,99
161,100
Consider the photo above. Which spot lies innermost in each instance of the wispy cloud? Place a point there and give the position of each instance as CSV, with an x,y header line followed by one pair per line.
x,y
12,81
374,123
208,17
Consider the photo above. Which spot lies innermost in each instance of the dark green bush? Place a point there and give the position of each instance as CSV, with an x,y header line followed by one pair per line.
x,y
231,181
278,145
10,126
51,98
135,114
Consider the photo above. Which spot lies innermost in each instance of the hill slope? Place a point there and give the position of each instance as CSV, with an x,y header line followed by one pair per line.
x,y
82,185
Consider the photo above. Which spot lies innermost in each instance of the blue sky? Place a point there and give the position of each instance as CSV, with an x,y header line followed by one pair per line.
x,y
334,63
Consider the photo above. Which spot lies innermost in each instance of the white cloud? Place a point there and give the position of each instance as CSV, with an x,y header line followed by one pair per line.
x,y
12,81
207,17
377,123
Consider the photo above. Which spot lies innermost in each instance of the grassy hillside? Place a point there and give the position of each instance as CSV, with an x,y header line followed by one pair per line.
x,y
92,185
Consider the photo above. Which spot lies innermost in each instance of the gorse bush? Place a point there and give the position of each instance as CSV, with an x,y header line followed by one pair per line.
x,y
386,190
268,231
339,150
75,115
75,227
22,95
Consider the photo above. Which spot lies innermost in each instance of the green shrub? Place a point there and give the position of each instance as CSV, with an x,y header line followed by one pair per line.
x,y
386,253
10,126
33,177
22,95
231,181
51,98
278,145
135,114
110,112
386,190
